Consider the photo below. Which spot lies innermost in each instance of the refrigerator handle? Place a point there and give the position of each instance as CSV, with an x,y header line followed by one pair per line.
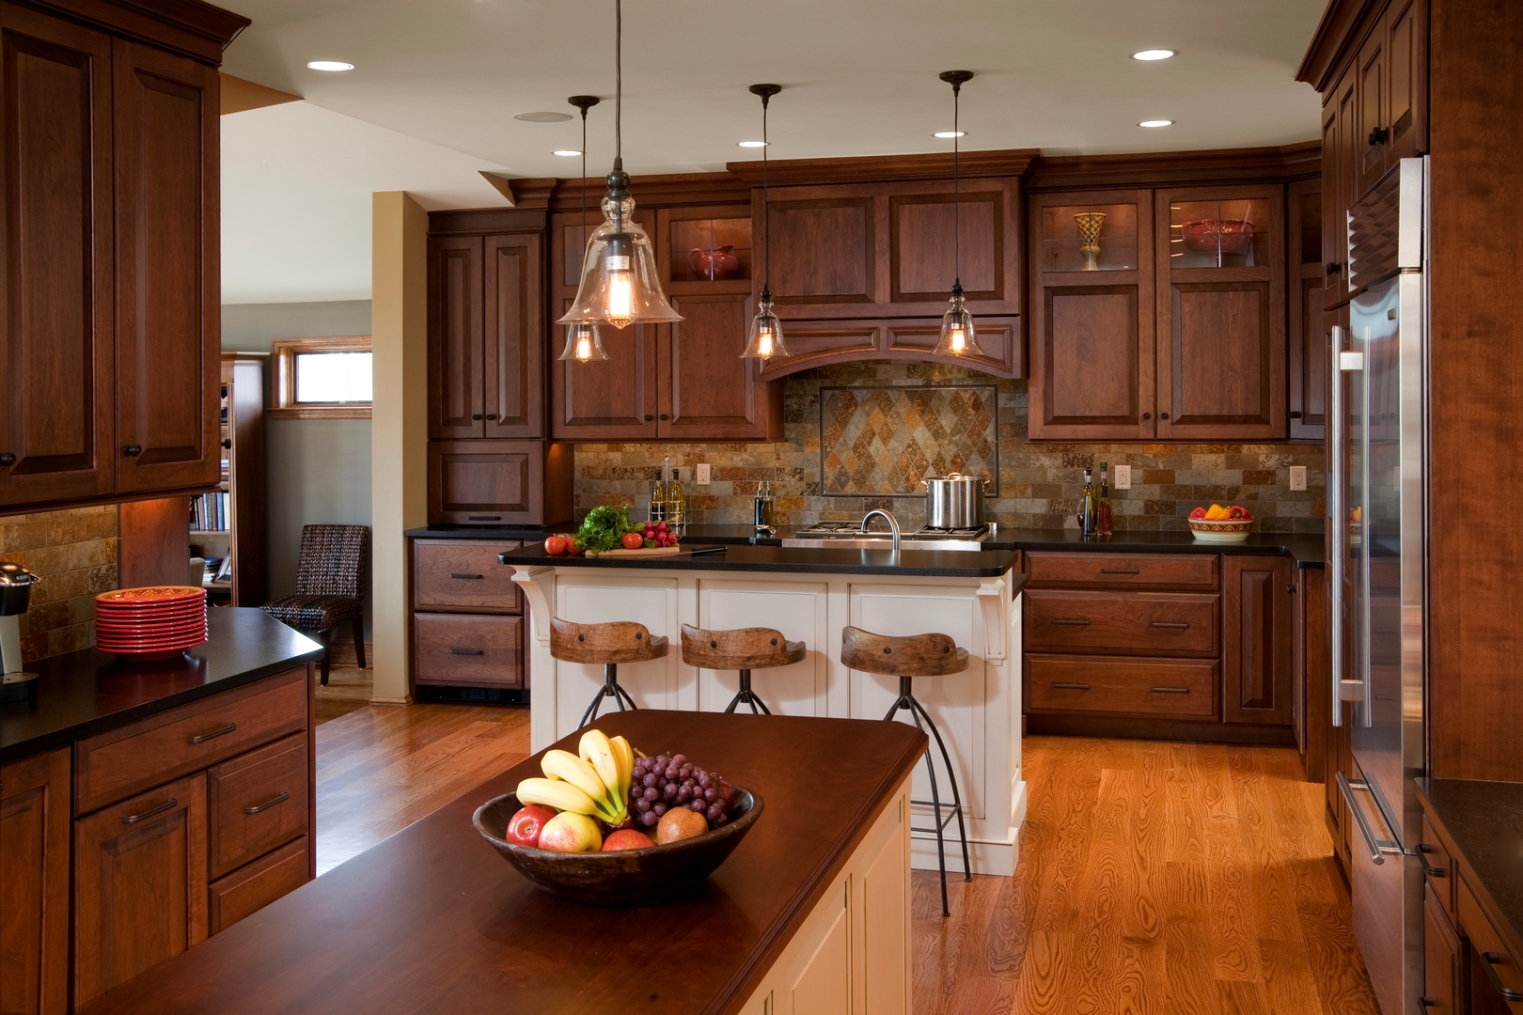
x,y
1337,550
1379,848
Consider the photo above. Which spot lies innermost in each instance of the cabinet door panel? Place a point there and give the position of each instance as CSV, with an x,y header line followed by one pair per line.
x,y
1309,356
1442,968
818,978
503,482
34,882
612,399
922,240
1221,370
1257,639
707,391
168,327
816,343
513,361
1406,79
455,337
1372,133
998,337
56,342
824,251
139,884
1334,227
1091,369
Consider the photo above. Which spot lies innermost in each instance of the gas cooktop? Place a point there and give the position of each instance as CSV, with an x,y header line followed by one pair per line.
x,y
849,536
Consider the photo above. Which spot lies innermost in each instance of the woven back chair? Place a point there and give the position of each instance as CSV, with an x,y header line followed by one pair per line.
x,y
330,583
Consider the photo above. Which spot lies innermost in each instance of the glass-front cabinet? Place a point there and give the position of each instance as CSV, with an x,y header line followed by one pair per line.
x,y
1221,233
705,250
1088,237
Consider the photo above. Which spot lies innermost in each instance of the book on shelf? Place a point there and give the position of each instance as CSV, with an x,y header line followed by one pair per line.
x,y
209,512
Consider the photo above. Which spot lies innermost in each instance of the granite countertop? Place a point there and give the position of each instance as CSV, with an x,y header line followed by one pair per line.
x,y
1485,822
915,563
85,693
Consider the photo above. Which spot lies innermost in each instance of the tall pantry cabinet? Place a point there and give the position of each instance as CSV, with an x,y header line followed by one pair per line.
x,y
109,213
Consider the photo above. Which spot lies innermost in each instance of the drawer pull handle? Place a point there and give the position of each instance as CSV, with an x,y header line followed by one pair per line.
x,y
1071,623
1117,570
220,731
167,805
465,651
1490,960
467,577
1070,687
278,798
1169,690
1423,849
484,518
1170,624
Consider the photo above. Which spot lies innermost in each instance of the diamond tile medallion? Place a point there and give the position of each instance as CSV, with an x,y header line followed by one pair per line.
x,y
883,441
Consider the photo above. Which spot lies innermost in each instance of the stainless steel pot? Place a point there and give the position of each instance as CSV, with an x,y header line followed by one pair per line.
x,y
954,502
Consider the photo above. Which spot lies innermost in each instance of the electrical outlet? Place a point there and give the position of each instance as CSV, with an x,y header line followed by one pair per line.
x,y
1298,477
702,474
1123,477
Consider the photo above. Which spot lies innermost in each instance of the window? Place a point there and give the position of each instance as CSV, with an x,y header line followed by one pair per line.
x,y
322,378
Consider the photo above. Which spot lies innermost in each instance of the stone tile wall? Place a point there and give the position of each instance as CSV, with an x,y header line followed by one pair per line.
x,y
75,552
1039,483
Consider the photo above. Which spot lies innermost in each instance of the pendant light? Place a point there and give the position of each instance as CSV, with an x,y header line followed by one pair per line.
x,y
620,285
765,341
957,338
583,344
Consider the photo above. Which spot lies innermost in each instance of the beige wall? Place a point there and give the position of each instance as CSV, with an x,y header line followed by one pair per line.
x,y
399,422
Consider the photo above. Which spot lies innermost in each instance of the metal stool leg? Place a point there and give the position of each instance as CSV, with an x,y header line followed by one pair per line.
x,y
906,700
962,833
610,689
747,696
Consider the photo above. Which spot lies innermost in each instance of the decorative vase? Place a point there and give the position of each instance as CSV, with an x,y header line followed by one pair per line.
x,y
714,264
1090,223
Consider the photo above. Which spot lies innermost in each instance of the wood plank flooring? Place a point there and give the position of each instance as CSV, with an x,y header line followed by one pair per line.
x,y
1153,878
1188,879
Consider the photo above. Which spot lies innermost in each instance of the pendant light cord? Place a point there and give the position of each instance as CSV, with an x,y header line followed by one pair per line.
x,y
766,210
956,188
584,179
618,84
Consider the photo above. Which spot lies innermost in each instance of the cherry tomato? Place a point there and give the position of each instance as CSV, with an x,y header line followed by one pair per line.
x,y
633,540
555,545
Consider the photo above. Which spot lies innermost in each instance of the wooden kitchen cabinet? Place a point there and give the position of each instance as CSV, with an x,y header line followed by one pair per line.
x,y
705,391
1443,955
139,884
481,482
1307,333
1406,107
34,882
467,616
1257,604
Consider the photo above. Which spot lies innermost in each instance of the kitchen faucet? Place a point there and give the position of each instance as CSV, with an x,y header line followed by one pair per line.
x,y
893,524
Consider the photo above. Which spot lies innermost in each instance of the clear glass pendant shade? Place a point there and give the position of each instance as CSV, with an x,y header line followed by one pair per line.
x,y
957,336
583,344
619,285
765,340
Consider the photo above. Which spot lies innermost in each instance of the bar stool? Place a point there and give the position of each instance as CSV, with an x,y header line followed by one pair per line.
x,y
923,655
744,649
619,641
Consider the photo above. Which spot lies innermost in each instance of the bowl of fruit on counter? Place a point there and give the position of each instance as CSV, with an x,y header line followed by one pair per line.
x,y
1217,524
610,826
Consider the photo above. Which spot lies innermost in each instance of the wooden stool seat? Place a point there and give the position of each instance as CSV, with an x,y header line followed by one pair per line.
x,y
619,641
744,649
919,655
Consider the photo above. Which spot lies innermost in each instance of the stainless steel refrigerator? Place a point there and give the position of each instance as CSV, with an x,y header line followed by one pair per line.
x,y
1377,498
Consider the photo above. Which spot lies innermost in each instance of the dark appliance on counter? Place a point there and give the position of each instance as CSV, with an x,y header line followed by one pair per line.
x,y
15,596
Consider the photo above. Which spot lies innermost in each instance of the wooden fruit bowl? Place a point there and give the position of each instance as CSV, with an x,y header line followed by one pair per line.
x,y
626,877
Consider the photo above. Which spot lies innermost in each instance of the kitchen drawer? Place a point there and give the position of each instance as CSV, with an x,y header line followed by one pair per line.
x,y
255,802
1438,867
139,756
453,574
246,891
1174,570
462,650
1487,949
1172,687
1135,623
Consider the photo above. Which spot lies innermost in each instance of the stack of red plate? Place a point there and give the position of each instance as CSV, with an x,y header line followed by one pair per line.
x,y
154,623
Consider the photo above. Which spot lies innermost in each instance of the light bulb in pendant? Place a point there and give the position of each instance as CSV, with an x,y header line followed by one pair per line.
x,y
957,335
765,341
583,343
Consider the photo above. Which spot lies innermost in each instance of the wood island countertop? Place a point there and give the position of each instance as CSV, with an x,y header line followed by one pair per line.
x,y
432,920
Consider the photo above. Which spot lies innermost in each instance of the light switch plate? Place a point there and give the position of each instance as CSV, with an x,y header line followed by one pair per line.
x,y
702,474
1123,477
1298,477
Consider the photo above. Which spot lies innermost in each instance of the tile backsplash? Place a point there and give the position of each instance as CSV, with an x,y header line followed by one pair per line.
x,y
1039,483
75,553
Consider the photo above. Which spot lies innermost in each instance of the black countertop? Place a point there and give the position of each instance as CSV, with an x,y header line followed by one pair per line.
x,y
1485,820
916,563
85,693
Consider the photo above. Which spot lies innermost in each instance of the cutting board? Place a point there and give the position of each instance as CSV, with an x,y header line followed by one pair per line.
x,y
654,551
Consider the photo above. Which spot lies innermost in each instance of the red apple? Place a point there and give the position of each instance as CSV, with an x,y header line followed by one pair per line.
x,y
568,832
626,838
524,827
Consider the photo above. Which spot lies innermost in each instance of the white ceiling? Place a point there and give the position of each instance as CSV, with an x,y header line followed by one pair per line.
x,y
437,83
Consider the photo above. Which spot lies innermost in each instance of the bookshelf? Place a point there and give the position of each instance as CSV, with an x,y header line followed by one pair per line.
x,y
228,524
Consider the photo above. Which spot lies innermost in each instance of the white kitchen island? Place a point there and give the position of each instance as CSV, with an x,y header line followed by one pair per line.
x,y
809,595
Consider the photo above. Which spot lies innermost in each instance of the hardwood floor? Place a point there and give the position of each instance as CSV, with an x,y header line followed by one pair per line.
x,y
1153,877
348,688
1188,879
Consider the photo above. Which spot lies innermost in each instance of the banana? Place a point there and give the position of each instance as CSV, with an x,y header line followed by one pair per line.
x,y
626,758
597,751
563,796
567,766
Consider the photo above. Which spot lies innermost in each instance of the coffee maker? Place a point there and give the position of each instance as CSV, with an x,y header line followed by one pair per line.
x,y
15,594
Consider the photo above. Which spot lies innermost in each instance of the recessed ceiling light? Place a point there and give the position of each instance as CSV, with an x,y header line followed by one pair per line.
x,y
569,153
1156,123
331,65
542,117
951,133
752,144
1153,54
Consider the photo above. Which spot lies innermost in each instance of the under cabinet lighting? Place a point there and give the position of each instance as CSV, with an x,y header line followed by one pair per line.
x,y
1156,123
566,153
329,65
751,144
1153,54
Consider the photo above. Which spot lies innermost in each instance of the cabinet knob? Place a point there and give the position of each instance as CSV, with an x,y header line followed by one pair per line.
x,y
1163,415
648,417
1333,267
663,415
1147,415
491,415
132,450
1295,415
227,444
7,459
1378,136
1291,589
475,415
